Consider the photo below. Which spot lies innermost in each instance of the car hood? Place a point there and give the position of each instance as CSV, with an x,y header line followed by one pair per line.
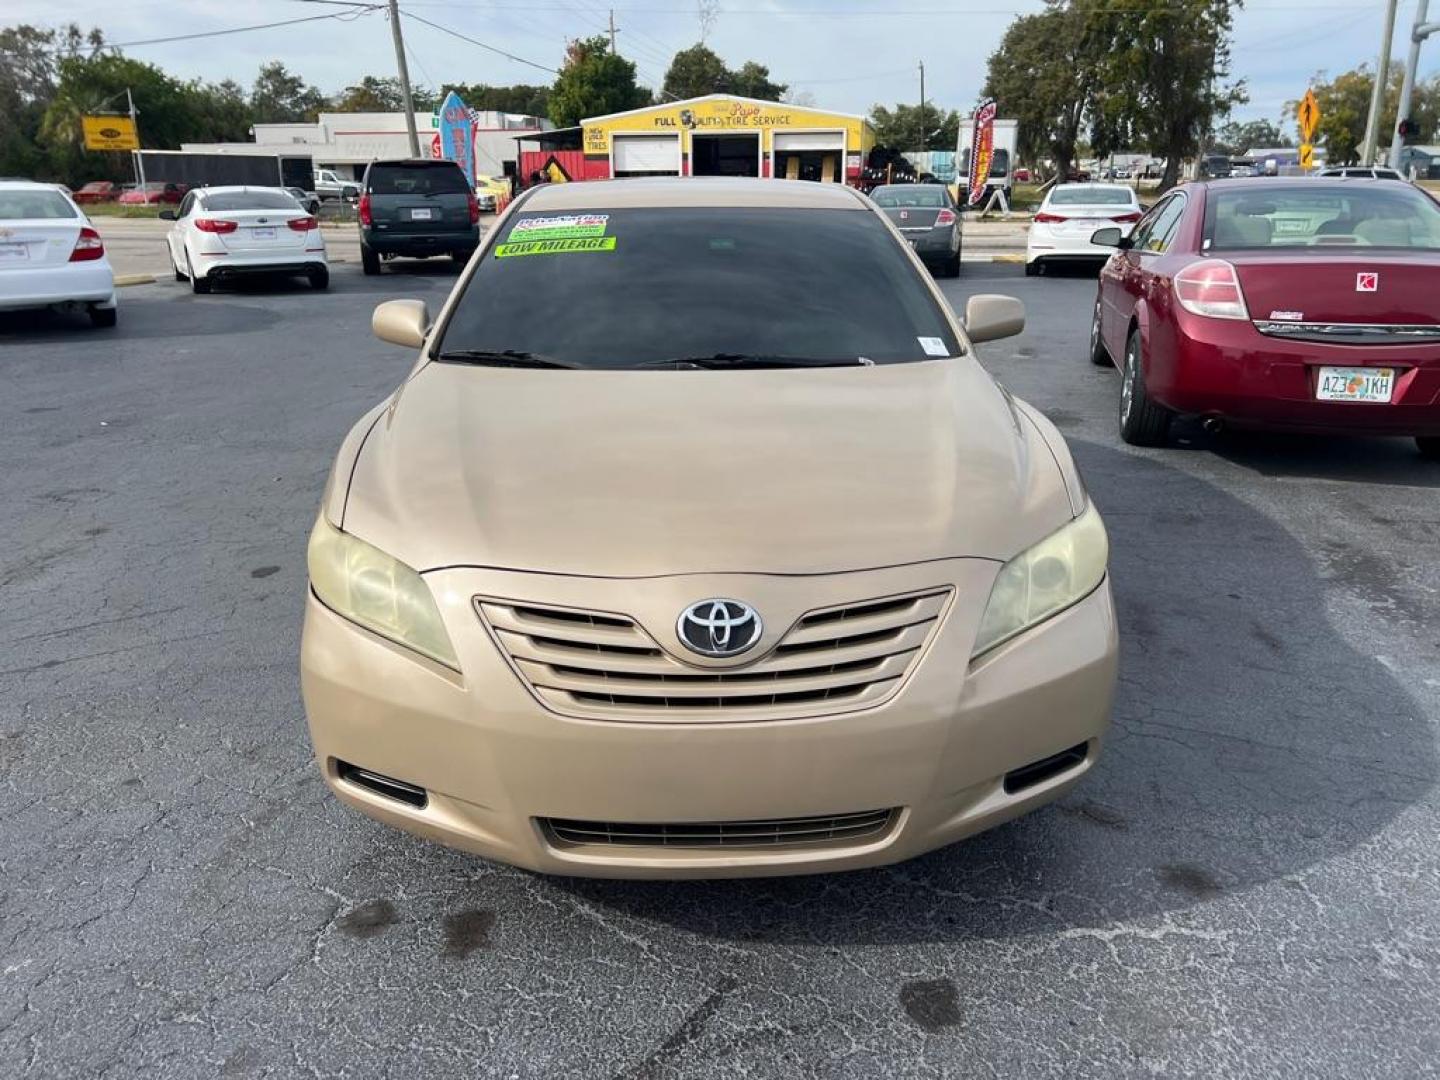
x,y
642,473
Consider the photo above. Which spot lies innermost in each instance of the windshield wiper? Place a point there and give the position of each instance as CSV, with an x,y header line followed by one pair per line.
x,y
716,361
503,358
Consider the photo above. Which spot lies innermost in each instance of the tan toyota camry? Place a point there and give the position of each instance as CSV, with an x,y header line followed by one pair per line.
x,y
697,543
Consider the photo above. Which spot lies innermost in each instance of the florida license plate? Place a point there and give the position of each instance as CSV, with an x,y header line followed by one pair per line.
x,y
422,214
1355,384
263,233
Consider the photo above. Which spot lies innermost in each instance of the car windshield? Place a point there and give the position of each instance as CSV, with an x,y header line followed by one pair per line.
x,y
248,200
417,180
1309,215
927,198
1098,195
635,287
33,205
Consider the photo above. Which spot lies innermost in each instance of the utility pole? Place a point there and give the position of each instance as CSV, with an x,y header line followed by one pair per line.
x,y
924,137
138,161
1377,95
613,31
405,99
1407,88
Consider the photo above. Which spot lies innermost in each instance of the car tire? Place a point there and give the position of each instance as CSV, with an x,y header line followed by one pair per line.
x,y
1429,446
369,261
1143,422
103,317
199,286
319,279
173,268
951,266
460,258
1099,355
1034,269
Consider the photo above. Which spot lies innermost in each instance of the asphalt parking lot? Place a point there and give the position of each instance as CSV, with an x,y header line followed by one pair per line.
x,y
1247,885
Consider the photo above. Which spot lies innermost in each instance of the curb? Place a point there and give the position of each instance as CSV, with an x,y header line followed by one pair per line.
x,y
122,280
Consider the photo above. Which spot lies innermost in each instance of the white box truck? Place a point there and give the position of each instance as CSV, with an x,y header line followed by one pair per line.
x,y
1001,168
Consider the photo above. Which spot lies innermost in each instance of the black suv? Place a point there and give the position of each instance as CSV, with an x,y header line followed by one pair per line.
x,y
418,208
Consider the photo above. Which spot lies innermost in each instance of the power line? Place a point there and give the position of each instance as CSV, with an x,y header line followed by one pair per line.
x,y
481,44
353,12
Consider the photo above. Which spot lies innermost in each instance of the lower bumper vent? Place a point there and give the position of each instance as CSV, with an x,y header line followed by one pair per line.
x,y
1037,772
381,784
862,825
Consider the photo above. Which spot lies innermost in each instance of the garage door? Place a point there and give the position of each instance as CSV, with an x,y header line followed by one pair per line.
x,y
809,140
647,154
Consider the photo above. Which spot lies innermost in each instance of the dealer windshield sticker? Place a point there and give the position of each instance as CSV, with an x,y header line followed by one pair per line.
x,y
565,227
555,247
933,346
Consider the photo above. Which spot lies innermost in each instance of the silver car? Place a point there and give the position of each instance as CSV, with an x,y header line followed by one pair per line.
x,y
928,219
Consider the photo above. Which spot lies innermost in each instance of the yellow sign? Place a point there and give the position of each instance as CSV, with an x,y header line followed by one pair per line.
x,y
110,133
1307,156
724,114
1309,116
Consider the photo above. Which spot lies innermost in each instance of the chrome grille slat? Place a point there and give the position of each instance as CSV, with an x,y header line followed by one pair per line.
x,y
606,665
808,830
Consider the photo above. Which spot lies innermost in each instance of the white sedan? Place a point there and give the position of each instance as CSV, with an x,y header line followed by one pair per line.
x,y
222,233
51,255
1068,218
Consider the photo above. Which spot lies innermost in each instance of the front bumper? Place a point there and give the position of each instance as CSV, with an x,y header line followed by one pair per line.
x,y
495,763
68,283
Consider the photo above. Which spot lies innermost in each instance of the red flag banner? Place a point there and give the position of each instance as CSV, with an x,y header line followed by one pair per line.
x,y
982,149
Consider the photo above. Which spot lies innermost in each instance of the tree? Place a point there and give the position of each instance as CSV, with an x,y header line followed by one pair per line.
x,y
1164,71
594,82
372,94
29,58
695,72
521,99
899,128
753,81
222,111
1235,137
279,97
1045,75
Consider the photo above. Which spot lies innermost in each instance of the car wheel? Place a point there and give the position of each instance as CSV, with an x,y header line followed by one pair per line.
x,y
1099,355
101,317
951,266
1034,269
460,258
173,268
369,261
1429,446
1142,421
319,279
197,285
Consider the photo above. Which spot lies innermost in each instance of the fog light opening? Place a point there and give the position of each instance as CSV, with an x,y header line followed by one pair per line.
x,y
381,784
1037,772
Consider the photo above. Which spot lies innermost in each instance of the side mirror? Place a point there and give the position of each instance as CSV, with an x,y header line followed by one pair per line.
x,y
1110,237
401,322
989,318
167,215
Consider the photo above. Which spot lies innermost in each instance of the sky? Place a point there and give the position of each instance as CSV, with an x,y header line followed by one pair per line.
x,y
846,54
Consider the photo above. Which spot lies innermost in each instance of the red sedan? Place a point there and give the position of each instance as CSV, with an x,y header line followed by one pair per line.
x,y
153,193
97,191
1308,304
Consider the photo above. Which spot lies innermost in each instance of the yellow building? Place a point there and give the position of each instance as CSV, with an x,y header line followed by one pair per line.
x,y
722,135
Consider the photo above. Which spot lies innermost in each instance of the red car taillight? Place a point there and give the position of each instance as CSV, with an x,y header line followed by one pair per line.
x,y
303,224
945,217
364,209
215,225
88,247
1044,218
474,207
1210,288
1128,218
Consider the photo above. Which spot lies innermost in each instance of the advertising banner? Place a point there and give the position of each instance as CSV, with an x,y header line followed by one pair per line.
x,y
109,133
457,134
982,149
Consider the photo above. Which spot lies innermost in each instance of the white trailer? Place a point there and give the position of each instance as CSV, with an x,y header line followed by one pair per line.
x,y
1002,168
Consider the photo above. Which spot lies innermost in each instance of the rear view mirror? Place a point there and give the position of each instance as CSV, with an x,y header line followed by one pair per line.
x,y
167,215
1108,237
989,318
401,322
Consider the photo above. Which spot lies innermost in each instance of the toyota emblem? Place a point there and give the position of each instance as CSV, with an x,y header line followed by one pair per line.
x,y
719,628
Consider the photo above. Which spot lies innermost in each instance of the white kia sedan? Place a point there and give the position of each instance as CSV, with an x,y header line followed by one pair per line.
x,y
1068,218
222,233
50,254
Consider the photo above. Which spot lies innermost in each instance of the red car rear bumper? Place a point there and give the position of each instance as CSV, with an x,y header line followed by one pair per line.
x,y
1228,369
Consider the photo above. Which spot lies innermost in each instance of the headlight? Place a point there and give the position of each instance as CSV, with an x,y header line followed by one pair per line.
x,y
382,594
1060,570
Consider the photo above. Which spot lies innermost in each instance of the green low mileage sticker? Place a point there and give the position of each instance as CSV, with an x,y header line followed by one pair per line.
x,y
554,247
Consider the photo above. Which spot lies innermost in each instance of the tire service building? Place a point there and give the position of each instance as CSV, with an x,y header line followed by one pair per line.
x,y
715,135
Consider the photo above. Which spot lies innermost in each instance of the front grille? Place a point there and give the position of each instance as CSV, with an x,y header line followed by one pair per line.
x,y
840,828
606,665
1351,333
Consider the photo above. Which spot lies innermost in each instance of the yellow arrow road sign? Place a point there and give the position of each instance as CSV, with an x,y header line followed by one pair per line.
x,y
1307,156
1309,116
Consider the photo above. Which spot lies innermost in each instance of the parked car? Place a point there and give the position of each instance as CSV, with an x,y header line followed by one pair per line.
x,y
1239,171
51,256
97,191
416,207
1022,176
1311,304
928,220
688,551
1362,172
152,193
222,233
309,200
1069,216
330,185
492,193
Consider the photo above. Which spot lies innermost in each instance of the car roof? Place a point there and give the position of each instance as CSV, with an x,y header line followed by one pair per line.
x,y
1268,183
658,191
32,185
230,189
